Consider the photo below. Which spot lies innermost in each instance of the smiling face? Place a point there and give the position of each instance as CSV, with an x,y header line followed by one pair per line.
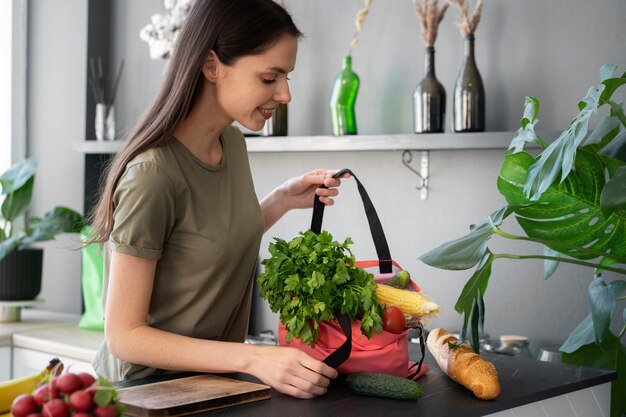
x,y
248,90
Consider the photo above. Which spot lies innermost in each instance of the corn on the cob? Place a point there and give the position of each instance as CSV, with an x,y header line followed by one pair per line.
x,y
410,303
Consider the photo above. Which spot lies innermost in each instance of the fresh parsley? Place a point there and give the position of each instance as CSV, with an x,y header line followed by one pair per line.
x,y
312,278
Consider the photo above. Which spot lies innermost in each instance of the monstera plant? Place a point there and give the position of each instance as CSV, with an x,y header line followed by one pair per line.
x,y
20,266
571,198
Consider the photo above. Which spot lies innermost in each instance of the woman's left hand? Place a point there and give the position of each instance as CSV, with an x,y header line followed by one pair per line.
x,y
300,191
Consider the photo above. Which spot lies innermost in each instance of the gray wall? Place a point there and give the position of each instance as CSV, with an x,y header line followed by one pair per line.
x,y
551,50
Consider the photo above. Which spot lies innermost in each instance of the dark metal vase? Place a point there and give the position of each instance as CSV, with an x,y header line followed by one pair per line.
x,y
20,275
469,94
429,99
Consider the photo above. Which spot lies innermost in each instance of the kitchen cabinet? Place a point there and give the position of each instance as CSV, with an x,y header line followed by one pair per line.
x,y
28,362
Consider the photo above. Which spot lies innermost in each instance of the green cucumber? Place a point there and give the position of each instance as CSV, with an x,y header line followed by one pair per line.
x,y
384,385
399,280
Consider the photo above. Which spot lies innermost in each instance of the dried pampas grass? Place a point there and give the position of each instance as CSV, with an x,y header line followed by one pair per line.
x,y
467,25
360,19
430,16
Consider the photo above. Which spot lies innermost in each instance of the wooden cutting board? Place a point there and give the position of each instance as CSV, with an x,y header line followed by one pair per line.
x,y
189,395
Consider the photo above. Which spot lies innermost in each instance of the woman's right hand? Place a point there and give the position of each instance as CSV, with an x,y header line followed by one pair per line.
x,y
291,371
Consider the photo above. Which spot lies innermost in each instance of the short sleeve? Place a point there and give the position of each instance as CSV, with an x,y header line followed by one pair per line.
x,y
144,211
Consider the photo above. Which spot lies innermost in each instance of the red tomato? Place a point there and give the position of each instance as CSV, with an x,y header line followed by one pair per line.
x,y
393,320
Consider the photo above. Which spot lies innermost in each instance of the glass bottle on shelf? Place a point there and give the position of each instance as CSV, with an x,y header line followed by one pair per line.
x,y
469,94
345,90
429,99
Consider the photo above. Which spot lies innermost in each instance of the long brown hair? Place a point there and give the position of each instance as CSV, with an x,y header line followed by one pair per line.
x,y
232,29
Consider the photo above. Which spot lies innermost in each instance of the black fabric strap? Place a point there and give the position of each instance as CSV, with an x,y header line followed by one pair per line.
x,y
423,350
342,353
378,235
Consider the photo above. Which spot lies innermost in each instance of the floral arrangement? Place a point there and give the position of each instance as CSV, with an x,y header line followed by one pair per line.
x,y
360,19
467,25
430,16
163,28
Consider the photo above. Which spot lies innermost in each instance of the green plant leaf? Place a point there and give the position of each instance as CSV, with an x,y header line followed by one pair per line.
x,y
549,265
603,301
609,355
582,335
605,131
16,203
568,213
558,157
612,84
526,133
7,246
613,197
58,220
616,148
467,251
473,290
20,173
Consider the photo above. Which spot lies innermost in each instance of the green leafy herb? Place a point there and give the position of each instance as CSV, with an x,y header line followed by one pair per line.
x,y
312,278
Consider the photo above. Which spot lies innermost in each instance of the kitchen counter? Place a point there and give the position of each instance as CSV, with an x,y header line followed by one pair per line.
x,y
530,387
33,319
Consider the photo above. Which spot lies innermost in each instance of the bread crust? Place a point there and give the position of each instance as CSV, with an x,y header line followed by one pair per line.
x,y
463,365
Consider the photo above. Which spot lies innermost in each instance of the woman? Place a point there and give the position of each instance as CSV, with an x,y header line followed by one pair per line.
x,y
180,216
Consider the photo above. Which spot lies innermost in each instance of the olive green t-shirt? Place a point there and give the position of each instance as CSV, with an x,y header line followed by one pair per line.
x,y
203,224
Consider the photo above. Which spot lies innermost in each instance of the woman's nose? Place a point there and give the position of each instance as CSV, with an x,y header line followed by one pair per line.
x,y
282,93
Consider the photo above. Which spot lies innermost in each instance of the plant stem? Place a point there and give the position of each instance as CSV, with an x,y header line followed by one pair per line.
x,y
618,111
556,258
622,332
565,245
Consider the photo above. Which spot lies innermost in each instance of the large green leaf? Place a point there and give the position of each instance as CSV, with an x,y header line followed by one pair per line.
x,y
471,298
58,220
613,197
568,214
18,175
526,132
466,251
7,246
582,335
603,298
616,148
16,203
610,355
611,84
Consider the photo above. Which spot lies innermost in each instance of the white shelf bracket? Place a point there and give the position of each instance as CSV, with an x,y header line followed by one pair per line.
x,y
421,171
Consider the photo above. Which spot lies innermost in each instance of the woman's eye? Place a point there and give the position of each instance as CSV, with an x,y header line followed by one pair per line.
x,y
268,80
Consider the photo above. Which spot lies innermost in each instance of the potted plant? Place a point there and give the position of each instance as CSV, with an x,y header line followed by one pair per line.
x,y
571,198
20,266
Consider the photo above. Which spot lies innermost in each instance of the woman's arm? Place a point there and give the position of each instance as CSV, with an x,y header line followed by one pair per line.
x,y
129,338
298,192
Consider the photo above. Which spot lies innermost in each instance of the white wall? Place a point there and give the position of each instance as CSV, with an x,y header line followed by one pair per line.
x,y
552,50
56,120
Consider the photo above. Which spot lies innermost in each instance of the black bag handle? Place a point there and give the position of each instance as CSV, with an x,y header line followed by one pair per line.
x,y
342,353
378,235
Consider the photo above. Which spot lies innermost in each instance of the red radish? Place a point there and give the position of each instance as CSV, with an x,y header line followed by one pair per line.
x,y
86,378
68,383
81,401
24,405
35,415
45,393
108,411
56,408
81,414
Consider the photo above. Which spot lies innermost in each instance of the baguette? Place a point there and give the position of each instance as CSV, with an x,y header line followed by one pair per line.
x,y
463,365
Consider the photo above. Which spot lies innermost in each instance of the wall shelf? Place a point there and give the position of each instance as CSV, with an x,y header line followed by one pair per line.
x,y
400,142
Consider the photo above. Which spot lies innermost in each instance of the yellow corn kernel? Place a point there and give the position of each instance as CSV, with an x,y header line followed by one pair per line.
x,y
410,303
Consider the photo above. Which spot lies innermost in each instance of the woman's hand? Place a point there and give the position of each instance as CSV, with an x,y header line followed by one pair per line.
x,y
291,371
298,192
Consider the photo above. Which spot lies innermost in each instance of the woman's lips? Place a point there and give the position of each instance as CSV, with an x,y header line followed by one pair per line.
x,y
265,113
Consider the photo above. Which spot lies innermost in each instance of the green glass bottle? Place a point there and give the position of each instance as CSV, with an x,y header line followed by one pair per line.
x,y
343,99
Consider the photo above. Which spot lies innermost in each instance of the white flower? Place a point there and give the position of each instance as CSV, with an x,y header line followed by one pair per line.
x,y
161,32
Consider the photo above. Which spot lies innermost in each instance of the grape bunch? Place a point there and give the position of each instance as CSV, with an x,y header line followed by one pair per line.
x,y
69,394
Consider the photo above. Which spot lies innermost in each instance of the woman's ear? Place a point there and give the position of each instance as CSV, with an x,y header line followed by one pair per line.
x,y
210,68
